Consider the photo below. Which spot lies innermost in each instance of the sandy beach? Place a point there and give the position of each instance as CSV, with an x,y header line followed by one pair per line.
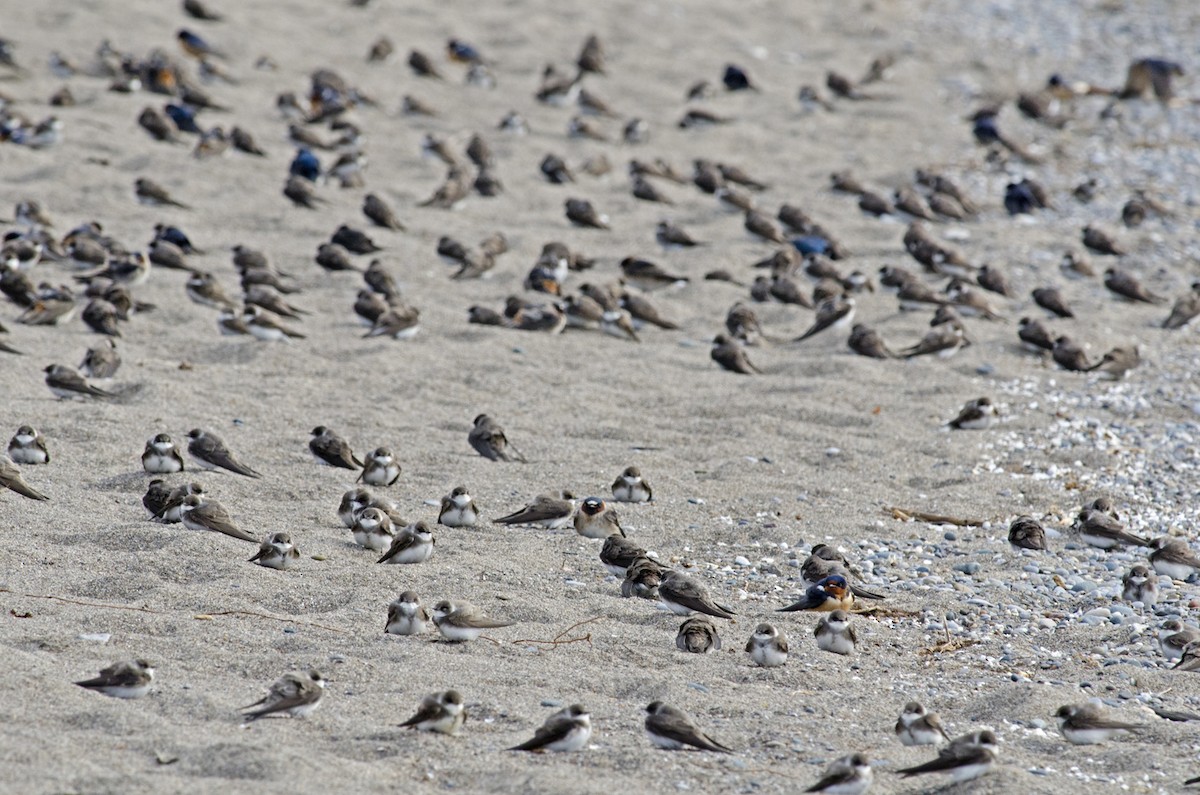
x,y
748,472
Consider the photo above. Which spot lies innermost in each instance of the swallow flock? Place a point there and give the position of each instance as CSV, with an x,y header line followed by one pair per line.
x,y
810,275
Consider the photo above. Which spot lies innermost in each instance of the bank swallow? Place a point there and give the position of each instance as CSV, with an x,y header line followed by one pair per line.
x,y
1034,336
169,507
728,353
597,519
457,508
443,713
209,452
161,456
460,621
831,593
243,141
125,679
65,382
373,529
276,552
918,727
1140,585
406,616
551,511
834,633
332,450
302,193
1026,532
670,236
944,341
1086,724
698,635
1186,309
619,553
296,695
28,447
684,596
642,578
832,313
412,544
1190,659
1118,361
198,513
1101,242
151,193
767,647
580,212
1098,529
1127,286
1173,638
567,730
380,468
865,341
849,775
975,415
966,758
630,486
10,478
1070,355
489,440
672,729
1174,558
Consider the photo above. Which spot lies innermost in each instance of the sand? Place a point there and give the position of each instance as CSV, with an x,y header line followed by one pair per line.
x,y
813,450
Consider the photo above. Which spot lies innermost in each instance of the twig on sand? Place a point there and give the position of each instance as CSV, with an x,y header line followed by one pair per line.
x,y
65,600
906,514
560,639
878,611
210,616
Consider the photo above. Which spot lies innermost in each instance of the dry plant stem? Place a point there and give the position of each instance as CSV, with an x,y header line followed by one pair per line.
x,y
557,640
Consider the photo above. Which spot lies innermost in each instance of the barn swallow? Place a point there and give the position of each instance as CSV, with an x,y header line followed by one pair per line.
x,y
767,647
1174,637
684,596
546,510
10,478
443,713
567,730
825,561
1127,286
151,193
1098,529
698,635
277,552
28,447
1086,724
330,449
65,382
207,450
125,679
918,727
488,439
834,633
406,616
161,456
673,730
296,695
1174,558
195,46
619,553
461,621
642,578
1140,585
413,544
596,519
630,486
729,355
849,775
198,513
831,593
966,758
